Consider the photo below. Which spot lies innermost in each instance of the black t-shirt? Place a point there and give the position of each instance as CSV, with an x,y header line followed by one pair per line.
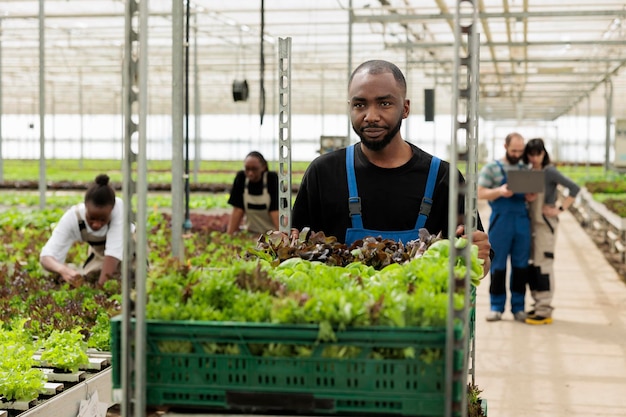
x,y
254,188
390,198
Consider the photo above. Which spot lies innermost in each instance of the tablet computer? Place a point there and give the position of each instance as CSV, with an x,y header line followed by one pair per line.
x,y
525,181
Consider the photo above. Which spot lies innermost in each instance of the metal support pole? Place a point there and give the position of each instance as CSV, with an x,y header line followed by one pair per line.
x,y
129,80
53,124
350,23
178,250
196,102
42,107
81,115
587,142
142,218
435,113
284,135
135,86
608,97
187,223
464,96
407,72
471,172
576,136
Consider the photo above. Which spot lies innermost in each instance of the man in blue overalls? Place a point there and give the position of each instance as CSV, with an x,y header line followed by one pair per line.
x,y
383,185
509,230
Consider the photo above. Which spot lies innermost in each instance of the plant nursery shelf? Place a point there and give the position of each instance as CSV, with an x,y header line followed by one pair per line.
x,y
64,391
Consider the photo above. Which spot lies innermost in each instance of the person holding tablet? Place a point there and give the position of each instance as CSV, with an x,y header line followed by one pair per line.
x,y
544,219
509,230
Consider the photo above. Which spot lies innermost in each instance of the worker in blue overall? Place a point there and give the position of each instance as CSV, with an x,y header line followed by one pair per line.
x,y
509,230
381,186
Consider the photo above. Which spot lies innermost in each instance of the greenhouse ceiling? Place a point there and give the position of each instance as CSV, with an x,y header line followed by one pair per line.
x,y
539,59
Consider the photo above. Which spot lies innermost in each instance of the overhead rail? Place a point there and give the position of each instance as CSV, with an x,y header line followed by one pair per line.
x,y
420,44
85,43
403,18
550,60
360,16
389,15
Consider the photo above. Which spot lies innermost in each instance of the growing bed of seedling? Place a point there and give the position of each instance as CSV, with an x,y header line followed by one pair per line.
x,y
48,323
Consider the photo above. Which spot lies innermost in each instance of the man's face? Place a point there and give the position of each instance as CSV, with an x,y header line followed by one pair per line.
x,y
377,107
515,150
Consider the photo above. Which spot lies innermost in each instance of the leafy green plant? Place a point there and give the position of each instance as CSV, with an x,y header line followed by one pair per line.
x,y
299,291
19,380
617,206
100,333
606,187
65,350
474,406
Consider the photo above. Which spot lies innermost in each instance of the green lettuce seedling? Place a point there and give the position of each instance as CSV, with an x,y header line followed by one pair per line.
x,y
65,350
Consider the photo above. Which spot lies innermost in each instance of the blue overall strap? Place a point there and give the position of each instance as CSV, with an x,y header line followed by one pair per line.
x,y
354,202
427,201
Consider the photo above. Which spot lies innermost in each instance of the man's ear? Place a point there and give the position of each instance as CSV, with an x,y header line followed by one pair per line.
x,y
407,108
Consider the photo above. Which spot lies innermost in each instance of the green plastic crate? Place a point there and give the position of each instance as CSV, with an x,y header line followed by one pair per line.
x,y
246,382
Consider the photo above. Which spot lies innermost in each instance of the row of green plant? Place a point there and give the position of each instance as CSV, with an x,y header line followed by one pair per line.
x,y
220,172
21,377
299,291
27,293
38,305
212,172
611,194
156,201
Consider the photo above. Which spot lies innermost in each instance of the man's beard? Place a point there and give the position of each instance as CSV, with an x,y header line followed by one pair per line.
x,y
513,160
377,145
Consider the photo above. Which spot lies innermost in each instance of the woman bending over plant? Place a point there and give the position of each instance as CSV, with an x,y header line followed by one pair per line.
x,y
98,221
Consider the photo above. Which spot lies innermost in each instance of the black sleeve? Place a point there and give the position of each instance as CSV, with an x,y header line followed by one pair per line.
x,y
236,193
300,216
272,188
322,200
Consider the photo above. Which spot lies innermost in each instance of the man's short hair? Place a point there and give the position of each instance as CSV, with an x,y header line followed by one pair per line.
x,y
378,66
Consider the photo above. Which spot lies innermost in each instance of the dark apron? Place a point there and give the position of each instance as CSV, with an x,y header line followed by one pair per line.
x,y
95,254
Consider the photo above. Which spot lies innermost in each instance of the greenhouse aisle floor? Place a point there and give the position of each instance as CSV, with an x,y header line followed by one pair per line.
x,y
575,367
